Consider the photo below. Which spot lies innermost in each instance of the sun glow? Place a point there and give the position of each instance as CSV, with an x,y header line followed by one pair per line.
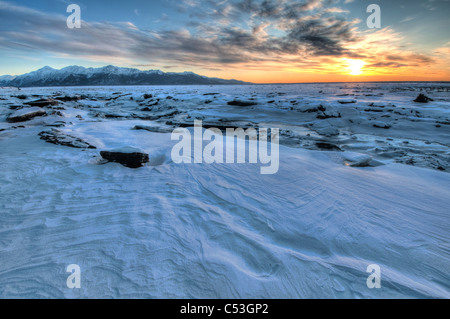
x,y
355,66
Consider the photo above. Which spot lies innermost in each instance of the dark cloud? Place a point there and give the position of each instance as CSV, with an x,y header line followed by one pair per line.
x,y
409,59
37,31
387,64
323,36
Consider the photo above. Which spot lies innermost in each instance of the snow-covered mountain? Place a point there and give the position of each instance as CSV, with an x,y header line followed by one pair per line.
x,y
6,78
108,75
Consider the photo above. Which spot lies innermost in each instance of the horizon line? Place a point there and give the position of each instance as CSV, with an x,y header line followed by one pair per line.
x,y
230,79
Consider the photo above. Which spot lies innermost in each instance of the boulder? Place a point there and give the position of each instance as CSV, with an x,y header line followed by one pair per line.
x,y
154,129
58,137
127,156
379,124
21,97
422,98
346,101
241,103
25,114
328,146
42,102
68,98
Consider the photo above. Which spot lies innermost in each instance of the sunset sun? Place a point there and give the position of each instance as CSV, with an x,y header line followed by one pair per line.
x,y
355,67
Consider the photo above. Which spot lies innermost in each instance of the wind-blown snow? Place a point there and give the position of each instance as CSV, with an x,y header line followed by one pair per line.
x,y
220,231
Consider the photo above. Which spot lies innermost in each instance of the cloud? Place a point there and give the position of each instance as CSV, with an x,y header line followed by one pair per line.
x,y
38,31
387,64
278,34
407,19
336,10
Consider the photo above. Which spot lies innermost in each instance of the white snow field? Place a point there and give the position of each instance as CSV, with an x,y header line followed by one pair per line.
x,y
169,230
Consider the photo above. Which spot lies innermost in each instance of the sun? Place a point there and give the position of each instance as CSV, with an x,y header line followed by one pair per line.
x,y
355,66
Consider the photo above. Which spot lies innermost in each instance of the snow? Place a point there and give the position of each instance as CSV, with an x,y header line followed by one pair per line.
x,y
171,230
356,160
27,111
6,78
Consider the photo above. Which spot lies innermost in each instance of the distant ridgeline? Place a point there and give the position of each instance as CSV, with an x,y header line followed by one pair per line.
x,y
106,76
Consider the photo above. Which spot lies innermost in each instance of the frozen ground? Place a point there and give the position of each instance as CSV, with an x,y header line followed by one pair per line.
x,y
221,230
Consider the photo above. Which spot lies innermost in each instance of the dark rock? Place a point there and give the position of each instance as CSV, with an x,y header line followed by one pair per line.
x,y
376,105
148,96
311,110
373,110
322,108
57,113
151,104
422,98
42,102
346,101
21,97
328,146
105,115
117,97
241,103
128,157
154,129
381,125
325,116
58,137
25,115
56,124
68,98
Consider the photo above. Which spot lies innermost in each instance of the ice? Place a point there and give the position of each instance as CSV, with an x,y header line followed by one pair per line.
x,y
25,114
356,160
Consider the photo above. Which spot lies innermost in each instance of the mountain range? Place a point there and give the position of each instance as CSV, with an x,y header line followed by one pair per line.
x,y
106,76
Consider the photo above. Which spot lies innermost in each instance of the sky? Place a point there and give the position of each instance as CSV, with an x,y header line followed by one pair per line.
x,y
260,41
